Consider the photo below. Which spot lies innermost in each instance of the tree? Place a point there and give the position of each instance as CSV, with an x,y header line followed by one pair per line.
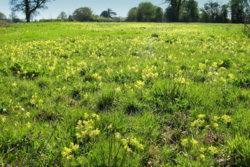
x,y
173,10
239,10
211,12
190,12
158,14
2,16
83,14
132,14
146,12
62,16
108,13
28,7
215,13
224,13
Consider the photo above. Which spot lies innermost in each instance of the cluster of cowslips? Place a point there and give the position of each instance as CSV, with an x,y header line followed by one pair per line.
x,y
68,152
129,143
86,128
201,151
150,72
215,73
200,121
139,84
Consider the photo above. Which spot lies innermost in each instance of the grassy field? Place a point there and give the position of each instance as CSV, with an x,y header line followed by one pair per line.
x,y
124,94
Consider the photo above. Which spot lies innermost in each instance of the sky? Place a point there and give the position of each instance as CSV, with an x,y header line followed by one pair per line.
x,y
121,7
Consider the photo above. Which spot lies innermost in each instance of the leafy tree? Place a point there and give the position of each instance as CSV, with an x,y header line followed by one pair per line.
x,y
158,14
28,7
190,12
174,9
224,13
108,13
211,12
62,16
239,10
2,16
132,14
83,14
146,12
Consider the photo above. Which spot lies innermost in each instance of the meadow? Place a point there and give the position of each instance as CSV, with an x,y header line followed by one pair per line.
x,y
124,94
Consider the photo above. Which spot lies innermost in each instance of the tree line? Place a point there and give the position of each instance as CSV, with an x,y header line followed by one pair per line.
x,y
235,11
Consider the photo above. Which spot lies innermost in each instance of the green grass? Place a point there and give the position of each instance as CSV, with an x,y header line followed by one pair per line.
x,y
164,94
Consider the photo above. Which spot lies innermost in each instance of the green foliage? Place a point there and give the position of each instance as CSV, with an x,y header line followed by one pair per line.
x,y
83,14
145,12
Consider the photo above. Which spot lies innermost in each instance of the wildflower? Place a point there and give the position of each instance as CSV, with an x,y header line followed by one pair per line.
x,y
28,125
226,118
197,123
27,114
139,84
202,149
194,142
86,116
126,148
222,69
213,150
201,116
74,146
181,80
215,125
110,126
184,142
134,142
66,151
3,119
231,76
118,89
202,66
216,118
202,156
14,84
222,79
118,135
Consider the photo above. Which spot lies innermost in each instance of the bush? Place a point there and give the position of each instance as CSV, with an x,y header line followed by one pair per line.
x,y
83,14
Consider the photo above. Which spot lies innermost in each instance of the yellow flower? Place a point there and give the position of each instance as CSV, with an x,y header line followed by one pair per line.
x,y
194,142
118,136
74,146
14,84
3,119
201,116
139,84
226,118
184,142
202,149
110,126
202,66
213,150
216,118
215,125
28,125
202,156
231,76
27,114
118,89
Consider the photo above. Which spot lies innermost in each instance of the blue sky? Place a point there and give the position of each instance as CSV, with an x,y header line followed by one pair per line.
x,y
121,7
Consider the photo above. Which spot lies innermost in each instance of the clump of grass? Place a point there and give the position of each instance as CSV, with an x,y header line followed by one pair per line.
x,y
168,97
106,100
